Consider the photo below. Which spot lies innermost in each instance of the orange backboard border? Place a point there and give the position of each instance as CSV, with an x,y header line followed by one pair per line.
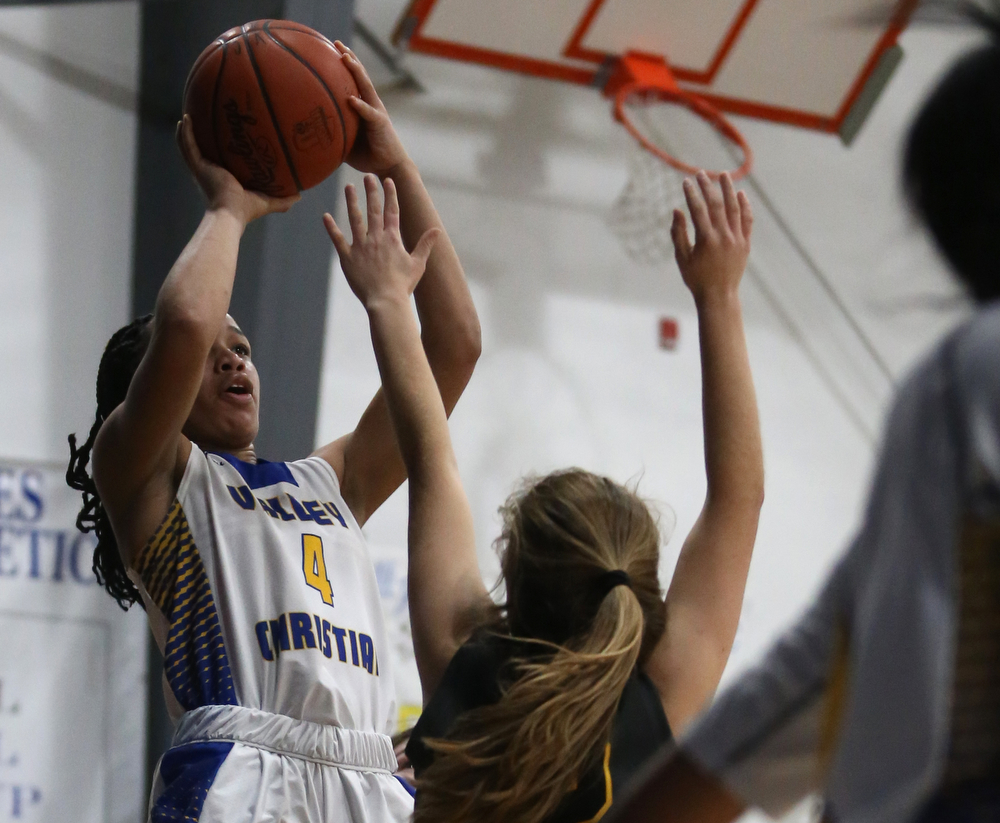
x,y
576,50
416,17
419,11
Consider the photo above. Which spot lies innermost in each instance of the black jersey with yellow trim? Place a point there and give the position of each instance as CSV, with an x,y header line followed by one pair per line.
x,y
474,678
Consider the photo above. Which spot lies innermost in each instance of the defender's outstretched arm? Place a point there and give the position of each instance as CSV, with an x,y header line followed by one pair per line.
x,y
706,594
446,591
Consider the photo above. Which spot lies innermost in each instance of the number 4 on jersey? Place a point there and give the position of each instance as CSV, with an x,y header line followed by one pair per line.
x,y
314,567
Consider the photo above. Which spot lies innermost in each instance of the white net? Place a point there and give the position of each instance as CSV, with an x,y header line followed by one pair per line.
x,y
641,216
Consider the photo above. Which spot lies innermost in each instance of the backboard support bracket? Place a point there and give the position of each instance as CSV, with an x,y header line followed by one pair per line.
x,y
865,104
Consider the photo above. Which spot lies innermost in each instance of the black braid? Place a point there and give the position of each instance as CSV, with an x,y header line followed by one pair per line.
x,y
119,362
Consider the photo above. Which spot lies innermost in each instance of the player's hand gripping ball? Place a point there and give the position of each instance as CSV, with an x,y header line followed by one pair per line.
x,y
268,102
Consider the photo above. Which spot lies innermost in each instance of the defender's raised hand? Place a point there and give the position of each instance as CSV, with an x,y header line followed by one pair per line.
x,y
722,226
376,263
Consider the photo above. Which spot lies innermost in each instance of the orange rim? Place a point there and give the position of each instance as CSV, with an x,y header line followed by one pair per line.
x,y
699,106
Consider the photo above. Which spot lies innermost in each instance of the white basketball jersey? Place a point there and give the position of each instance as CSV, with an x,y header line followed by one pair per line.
x,y
261,594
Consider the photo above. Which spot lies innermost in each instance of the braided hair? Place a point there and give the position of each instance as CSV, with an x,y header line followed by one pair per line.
x,y
119,362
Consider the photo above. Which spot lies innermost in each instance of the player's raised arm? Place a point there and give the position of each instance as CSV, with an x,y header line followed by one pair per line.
x,y
140,445
446,591
706,594
368,461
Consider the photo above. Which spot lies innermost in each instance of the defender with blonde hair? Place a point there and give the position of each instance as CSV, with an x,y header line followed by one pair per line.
x,y
539,690
540,709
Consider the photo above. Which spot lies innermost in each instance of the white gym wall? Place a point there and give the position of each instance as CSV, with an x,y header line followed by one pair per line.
x,y
67,151
72,665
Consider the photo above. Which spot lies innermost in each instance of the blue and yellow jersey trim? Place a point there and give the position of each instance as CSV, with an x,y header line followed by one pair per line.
x,y
195,660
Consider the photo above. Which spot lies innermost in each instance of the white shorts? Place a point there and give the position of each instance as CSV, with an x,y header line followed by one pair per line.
x,y
238,765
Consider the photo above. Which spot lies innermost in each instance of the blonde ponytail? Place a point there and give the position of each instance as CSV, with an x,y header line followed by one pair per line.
x,y
517,759
569,542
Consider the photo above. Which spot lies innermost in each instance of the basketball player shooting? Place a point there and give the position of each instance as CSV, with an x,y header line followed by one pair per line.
x,y
254,575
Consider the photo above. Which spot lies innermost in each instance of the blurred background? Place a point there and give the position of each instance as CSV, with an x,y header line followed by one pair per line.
x,y
842,296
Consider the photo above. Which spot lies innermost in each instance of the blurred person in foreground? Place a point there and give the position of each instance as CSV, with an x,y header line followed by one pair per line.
x,y
885,698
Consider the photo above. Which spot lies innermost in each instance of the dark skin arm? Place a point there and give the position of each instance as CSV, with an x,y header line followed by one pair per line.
x,y
368,461
140,452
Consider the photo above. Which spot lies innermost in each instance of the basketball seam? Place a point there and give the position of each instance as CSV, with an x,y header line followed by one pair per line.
x,y
201,59
309,33
270,111
336,106
215,104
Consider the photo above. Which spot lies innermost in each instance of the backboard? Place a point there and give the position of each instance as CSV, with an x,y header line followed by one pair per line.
x,y
818,64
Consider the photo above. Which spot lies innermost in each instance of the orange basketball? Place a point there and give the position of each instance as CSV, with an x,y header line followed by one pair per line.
x,y
268,102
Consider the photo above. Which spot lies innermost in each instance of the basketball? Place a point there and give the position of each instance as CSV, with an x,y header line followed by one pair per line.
x,y
268,102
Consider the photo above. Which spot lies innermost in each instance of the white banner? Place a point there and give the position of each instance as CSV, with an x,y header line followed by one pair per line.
x,y
72,666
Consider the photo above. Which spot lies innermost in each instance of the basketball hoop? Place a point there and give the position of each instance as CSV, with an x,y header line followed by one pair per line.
x,y
650,78
642,215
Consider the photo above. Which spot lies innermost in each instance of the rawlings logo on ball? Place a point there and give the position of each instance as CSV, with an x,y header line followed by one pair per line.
x,y
257,153
313,132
